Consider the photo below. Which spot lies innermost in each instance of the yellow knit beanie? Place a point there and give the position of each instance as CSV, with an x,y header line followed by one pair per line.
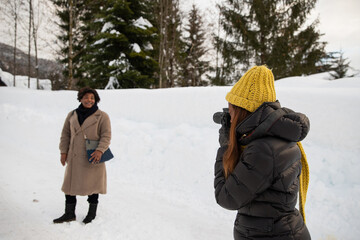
x,y
254,88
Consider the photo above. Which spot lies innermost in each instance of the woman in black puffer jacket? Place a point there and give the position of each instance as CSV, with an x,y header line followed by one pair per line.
x,y
260,160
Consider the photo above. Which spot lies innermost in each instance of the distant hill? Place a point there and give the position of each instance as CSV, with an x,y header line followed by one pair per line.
x,y
48,69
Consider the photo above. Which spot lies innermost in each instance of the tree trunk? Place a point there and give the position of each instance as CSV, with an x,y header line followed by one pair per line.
x,y
262,49
166,43
161,41
29,52
163,50
71,7
218,48
35,46
173,13
15,38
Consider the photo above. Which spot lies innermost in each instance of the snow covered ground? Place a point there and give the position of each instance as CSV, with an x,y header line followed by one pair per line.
x,y
160,184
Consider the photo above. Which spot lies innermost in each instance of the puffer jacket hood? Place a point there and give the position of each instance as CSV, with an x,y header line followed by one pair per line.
x,y
270,119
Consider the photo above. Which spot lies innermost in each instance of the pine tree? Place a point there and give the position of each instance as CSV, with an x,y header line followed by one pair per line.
x,y
192,66
119,47
174,43
340,65
168,23
70,13
270,32
225,66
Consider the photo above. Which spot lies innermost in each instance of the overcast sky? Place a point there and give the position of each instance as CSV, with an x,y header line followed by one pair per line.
x,y
339,22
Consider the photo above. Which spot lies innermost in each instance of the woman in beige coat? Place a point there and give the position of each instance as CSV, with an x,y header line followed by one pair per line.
x,y
82,177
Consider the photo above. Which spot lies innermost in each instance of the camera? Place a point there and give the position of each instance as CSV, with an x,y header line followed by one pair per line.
x,y
223,117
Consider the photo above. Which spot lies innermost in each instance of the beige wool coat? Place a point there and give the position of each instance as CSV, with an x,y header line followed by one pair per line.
x,y
81,177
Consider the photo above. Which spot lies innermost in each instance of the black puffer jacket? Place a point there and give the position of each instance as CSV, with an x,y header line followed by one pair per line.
x,y
264,185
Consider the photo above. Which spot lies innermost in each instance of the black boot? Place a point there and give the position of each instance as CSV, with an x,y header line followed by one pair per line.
x,y
91,213
69,214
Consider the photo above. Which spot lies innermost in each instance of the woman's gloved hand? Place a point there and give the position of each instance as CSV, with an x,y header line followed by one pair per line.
x,y
224,119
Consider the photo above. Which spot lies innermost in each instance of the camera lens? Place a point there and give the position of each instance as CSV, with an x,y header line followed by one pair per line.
x,y
217,117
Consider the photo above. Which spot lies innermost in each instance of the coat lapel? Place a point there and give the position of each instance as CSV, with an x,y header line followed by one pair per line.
x,y
91,120
75,122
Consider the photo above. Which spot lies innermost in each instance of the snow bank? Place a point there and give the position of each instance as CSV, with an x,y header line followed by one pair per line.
x,y
22,81
160,184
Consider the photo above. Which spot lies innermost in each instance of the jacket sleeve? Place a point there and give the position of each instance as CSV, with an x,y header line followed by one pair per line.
x,y
105,133
65,135
252,175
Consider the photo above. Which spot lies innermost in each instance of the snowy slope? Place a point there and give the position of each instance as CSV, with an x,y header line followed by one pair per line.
x,y
160,184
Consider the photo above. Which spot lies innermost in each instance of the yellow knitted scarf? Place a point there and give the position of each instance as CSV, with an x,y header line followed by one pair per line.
x,y
304,181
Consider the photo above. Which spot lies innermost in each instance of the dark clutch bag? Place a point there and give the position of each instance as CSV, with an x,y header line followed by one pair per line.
x,y
91,146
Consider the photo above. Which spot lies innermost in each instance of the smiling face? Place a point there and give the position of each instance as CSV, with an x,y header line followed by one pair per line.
x,y
88,100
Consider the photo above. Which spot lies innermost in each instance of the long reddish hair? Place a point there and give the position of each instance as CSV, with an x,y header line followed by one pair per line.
x,y
232,154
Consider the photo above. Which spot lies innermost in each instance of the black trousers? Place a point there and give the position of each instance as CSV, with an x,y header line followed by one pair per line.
x,y
91,199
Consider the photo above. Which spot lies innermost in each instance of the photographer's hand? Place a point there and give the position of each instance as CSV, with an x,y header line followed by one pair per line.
x,y
224,119
224,135
224,131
